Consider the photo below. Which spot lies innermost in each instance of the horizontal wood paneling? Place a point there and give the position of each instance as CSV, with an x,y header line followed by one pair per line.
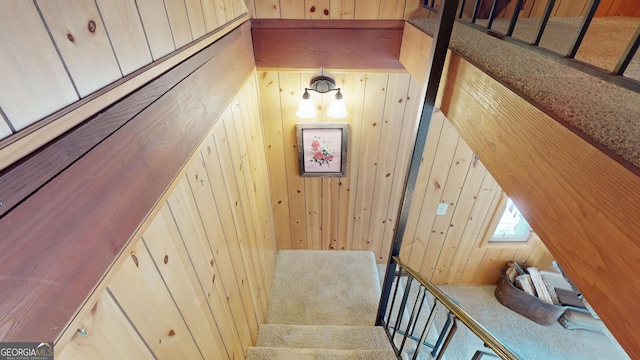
x,y
298,44
582,203
148,152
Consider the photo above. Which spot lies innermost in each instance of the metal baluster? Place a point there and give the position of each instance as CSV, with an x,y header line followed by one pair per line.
x,y
476,7
583,28
424,295
445,331
462,4
395,293
413,319
425,331
543,22
403,304
492,14
447,341
628,54
514,18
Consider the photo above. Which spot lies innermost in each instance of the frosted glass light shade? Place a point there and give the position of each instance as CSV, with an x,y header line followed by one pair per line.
x,y
306,109
337,109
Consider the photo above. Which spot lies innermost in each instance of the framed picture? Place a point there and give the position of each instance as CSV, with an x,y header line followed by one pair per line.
x,y
322,149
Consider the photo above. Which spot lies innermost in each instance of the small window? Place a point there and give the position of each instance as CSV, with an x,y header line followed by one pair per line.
x,y
512,226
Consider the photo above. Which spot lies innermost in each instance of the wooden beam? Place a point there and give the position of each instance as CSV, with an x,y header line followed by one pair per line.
x,y
344,44
583,204
27,176
57,245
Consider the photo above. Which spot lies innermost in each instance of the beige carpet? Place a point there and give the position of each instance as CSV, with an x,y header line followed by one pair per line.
x,y
602,45
606,113
324,288
526,338
323,306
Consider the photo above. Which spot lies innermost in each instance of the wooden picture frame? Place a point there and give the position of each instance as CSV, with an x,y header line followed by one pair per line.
x,y
322,149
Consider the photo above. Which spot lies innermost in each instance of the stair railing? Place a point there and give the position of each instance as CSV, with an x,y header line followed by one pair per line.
x,y
405,318
482,11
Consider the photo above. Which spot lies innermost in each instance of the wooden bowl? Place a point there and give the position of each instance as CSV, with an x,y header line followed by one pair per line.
x,y
526,305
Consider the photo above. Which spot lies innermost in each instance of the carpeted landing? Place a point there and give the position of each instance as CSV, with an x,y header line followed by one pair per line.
x,y
323,306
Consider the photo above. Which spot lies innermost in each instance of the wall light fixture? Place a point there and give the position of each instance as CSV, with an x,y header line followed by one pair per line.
x,y
322,84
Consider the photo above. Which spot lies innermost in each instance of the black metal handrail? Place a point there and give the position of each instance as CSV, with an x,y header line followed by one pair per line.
x,y
397,323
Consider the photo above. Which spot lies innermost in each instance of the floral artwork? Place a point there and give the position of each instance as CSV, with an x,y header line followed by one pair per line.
x,y
322,149
322,153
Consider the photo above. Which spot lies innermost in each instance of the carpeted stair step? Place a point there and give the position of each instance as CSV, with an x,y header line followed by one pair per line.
x,y
316,287
272,353
323,337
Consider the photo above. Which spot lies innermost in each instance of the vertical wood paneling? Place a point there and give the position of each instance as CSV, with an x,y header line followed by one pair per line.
x,y
373,109
123,22
269,9
392,126
141,293
209,13
342,9
221,12
235,131
442,223
291,9
367,9
236,242
461,213
317,9
109,335
269,87
434,188
31,89
405,151
70,24
156,26
4,129
435,128
179,21
291,92
196,18
353,87
260,176
162,239
232,182
391,9
229,9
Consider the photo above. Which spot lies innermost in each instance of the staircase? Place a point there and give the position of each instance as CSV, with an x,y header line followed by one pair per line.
x,y
323,306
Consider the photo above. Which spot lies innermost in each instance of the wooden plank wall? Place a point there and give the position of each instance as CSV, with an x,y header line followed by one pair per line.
x,y
359,211
204,262
583,204
54,53
334,9
451,249
353,212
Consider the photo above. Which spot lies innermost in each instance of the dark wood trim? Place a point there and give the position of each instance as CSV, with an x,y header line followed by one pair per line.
x,y
25,177
56,246
327,24
330,44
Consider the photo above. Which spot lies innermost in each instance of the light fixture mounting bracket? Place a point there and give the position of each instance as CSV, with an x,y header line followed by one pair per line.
x,y
322,84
